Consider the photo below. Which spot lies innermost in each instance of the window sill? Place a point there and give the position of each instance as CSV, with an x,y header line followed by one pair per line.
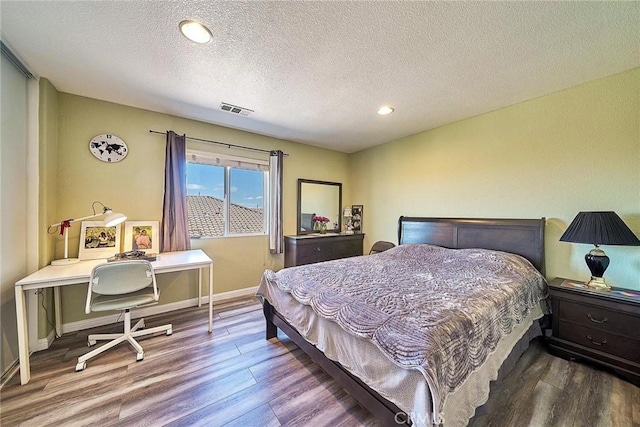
x,y
229,236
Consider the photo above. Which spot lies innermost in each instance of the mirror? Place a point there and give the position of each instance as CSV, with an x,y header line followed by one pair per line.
x,y
319,198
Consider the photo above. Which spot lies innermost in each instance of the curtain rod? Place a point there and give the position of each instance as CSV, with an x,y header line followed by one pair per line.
x,y
242,147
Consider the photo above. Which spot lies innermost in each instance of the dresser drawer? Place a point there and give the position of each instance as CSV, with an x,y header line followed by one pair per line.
x,y
315,252
347,249
600,340
601,319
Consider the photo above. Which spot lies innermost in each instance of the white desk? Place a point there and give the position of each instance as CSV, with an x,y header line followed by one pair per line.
x,y
54,276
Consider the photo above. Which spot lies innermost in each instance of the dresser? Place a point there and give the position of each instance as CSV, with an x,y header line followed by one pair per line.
x,y
310,248
601,327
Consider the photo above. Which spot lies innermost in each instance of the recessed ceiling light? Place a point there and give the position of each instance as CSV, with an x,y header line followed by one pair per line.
x,y
195,31
383,111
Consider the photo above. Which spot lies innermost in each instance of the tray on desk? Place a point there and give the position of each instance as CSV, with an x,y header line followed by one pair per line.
x,y
133,256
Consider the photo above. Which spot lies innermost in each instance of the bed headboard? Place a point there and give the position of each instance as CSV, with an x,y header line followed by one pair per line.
x,y
524,237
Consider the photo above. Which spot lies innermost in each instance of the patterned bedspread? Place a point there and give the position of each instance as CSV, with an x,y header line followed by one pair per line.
x,y
437,310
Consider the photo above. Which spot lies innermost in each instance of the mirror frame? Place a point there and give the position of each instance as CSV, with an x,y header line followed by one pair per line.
x,y
301,181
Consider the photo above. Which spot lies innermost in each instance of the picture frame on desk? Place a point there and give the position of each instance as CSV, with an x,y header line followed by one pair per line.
x,y
98,241
142,236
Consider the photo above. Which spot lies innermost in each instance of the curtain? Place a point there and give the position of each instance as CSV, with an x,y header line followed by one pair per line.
x,y
276,237
175,229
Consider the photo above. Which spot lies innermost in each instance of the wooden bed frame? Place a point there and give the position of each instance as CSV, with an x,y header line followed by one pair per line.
x,y
524,237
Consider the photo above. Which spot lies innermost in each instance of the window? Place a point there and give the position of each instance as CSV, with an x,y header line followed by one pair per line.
x,y
226,196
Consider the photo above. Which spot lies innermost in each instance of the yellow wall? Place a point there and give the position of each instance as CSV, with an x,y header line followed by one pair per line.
x,y
135,187
574,150
48,188
578,149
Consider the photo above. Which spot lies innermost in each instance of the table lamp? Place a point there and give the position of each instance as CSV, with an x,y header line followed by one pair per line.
x,y
111,219
599,228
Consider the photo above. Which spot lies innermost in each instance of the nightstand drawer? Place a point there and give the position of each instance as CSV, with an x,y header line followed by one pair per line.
x,y
600,340
600,318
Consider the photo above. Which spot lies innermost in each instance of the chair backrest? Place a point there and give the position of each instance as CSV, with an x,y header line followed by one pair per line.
x,y
381,246
121,277
306,221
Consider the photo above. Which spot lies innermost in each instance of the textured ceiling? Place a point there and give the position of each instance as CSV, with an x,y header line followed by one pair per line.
x,y
316,72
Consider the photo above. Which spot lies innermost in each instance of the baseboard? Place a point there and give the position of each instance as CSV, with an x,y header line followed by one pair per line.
x,y
230,295
154,309
44,343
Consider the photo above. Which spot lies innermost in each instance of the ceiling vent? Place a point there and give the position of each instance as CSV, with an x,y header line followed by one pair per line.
x,y
235,109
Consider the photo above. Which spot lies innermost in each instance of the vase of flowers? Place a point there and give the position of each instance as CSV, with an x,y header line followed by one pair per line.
x,y
320,223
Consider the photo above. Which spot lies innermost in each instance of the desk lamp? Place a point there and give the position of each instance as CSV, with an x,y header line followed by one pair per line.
x,y
599,228
111,219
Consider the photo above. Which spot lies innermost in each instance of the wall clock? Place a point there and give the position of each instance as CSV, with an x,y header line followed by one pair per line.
x,y
108,148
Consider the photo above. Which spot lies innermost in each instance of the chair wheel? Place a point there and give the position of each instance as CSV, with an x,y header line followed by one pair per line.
x,y
139,356
91,343
80,366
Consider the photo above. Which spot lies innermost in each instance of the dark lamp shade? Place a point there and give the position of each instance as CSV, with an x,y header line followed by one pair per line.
x,y
599,228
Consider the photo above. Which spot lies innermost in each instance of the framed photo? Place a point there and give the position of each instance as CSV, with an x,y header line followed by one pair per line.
x,y
356,218
98,241
141,236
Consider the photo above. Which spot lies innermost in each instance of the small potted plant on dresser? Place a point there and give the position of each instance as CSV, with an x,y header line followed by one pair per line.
x,y
597,326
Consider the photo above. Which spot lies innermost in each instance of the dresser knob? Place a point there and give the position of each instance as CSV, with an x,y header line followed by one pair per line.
x,y
597,320
595,342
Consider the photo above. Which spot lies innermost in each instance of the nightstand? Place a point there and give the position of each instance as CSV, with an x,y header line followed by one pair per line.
x,y
598,326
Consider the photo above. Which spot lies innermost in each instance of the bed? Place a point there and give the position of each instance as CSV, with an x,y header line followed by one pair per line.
x,y
407,366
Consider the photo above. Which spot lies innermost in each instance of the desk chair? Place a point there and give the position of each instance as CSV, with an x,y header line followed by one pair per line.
x,y
121,286
381,246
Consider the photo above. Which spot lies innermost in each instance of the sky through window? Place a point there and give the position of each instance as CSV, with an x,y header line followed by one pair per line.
x,y
246,186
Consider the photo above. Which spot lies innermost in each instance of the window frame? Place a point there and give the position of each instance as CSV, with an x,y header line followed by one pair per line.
x,y
212,157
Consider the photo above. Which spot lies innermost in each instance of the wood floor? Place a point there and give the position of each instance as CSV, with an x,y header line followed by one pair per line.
x,y
234,377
